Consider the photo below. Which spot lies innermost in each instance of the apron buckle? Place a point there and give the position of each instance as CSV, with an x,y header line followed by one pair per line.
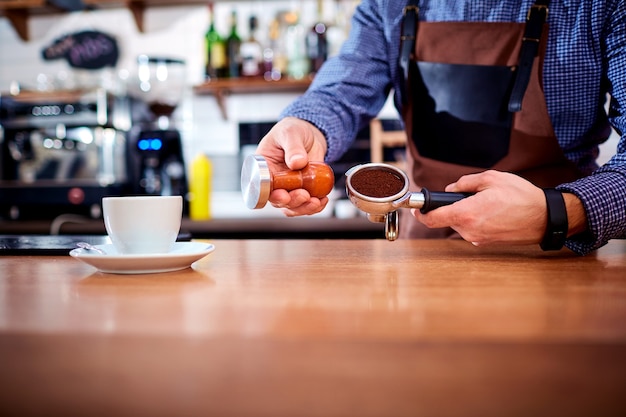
x,y
410,7
538,8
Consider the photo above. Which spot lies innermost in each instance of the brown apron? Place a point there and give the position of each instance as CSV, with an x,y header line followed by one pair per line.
x,y
457,119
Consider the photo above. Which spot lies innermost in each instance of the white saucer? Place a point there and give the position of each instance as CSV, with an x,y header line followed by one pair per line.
x,y
182,255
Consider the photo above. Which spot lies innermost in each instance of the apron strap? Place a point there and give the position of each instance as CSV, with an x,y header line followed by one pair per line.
x,y
407,40
535,20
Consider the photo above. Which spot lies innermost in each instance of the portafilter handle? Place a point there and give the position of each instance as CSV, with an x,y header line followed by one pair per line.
x,y
431,200
425,201
257,181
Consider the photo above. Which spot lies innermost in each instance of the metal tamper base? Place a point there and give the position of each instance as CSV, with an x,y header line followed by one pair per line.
x,y
256,181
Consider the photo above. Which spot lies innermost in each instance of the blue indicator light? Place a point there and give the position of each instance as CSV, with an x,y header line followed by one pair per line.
x,y
143,144
150,144
156,144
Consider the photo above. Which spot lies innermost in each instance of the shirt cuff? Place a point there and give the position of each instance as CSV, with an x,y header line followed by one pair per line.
x,y
603,196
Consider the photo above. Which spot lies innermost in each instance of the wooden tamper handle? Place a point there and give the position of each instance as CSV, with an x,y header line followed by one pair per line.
x,y
257,182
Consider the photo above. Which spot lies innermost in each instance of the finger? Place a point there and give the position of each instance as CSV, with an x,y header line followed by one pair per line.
x,y
291,200
292,135
465,226
312,206
472,183
280,151
446,216
280,198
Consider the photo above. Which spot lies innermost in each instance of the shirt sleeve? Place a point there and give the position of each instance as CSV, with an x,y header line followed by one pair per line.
x,y
352,87
603,193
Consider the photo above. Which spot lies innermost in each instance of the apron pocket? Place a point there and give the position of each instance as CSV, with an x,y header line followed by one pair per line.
x,y
460,112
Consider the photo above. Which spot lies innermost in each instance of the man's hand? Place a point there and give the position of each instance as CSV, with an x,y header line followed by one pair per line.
x,y
290,145
504,208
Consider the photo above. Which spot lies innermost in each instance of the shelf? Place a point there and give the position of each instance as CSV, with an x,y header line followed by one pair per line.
x,y
232,228
222,88
19,11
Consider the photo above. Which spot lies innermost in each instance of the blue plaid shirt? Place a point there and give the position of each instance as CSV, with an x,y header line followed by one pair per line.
x,y
585,62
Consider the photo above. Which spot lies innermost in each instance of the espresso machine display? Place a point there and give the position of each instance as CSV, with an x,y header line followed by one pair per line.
x,y
161,167
61,152
158,165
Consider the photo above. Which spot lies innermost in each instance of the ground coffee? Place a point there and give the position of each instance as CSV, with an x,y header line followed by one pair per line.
x,y
377,183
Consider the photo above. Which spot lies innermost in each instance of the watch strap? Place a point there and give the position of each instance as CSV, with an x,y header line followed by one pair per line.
x,y
557,226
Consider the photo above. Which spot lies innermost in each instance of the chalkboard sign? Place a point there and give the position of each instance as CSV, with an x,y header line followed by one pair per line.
x,y
86,49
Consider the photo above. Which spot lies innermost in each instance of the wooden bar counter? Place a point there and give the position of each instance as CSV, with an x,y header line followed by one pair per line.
x,y
319,328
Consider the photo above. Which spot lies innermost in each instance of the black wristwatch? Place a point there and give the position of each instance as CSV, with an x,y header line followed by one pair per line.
x,y
556,229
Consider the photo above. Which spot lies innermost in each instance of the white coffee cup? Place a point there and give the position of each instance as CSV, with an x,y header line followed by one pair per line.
x,y
142,224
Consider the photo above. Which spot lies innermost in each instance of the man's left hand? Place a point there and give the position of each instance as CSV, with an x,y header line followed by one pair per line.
x,y
504,208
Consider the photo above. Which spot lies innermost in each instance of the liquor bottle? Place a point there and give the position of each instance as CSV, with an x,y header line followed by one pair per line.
x,y
233,45
337,31
275,55
251,52
270,72
297,62
316,42
215,50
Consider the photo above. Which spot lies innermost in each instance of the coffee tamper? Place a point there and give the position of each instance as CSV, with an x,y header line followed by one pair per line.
x,y
257,181
380,190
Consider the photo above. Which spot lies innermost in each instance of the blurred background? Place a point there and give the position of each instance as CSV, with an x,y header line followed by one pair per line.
x,y
101,97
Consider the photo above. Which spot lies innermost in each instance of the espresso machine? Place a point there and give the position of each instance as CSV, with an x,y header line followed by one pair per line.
x,y
157,163
61,152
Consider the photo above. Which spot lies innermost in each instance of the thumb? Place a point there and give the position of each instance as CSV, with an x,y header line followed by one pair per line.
x,y
292,138
295,156
299,141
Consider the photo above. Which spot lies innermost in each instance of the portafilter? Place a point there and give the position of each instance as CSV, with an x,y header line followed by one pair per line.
x,y
380,190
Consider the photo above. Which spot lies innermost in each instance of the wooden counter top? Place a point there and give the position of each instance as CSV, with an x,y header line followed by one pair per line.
x,y
319,328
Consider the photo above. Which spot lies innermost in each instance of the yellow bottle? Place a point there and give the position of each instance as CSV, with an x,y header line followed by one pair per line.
x,y
200,188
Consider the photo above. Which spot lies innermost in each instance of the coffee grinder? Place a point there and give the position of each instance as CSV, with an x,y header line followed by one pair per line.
x,y
158,164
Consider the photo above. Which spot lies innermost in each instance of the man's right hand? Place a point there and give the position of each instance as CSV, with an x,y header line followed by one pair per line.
x,y
290,145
